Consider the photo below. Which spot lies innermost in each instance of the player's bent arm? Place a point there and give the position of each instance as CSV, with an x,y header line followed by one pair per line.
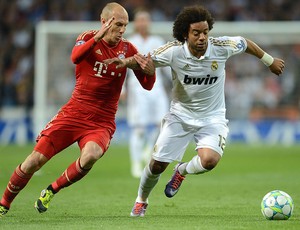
x,y
81,51
276,65
121,63
136,62
86,42
131,63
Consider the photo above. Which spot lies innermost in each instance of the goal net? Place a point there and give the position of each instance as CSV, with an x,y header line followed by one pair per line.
x,y
252,91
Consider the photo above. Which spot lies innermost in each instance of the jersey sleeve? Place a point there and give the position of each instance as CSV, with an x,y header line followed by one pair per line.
x,y
234,45
84,44
147,82
163,55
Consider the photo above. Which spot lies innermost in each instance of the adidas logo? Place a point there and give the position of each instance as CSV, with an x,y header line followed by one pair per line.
x,y
186,67
98,51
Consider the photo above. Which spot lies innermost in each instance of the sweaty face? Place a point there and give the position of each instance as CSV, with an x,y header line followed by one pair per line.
x,y
118,28
197,38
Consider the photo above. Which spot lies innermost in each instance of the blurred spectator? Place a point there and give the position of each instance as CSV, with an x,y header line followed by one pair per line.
x,y
19,17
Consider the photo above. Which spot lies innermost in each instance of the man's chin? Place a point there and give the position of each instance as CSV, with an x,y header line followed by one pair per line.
x,y
201,47
118,39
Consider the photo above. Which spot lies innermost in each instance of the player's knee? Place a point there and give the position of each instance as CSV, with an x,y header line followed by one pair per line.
x,y
157,167
90,154
210,161
33,162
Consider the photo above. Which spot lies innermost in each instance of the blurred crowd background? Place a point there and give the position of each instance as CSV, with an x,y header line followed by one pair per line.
x,y
17,30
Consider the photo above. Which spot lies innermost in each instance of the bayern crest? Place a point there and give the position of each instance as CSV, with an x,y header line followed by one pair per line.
x,y
121,55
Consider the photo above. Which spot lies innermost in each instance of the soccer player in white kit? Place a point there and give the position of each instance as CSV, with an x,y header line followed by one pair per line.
x,y
144,110
198,105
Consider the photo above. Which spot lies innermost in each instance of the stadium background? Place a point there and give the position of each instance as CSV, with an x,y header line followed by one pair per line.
x,y
261,107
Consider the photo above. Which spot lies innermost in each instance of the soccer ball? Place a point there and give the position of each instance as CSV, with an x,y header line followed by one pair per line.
x,y
277,205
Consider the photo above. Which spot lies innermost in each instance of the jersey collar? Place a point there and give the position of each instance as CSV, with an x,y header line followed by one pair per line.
x,y
191,56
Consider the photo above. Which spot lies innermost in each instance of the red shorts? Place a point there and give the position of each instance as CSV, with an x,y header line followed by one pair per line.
x,y
65,129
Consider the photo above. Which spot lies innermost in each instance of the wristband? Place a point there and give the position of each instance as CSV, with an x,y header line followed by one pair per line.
x,y
267,59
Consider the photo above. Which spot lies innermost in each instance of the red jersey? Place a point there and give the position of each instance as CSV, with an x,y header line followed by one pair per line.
x,y
90,113
98,86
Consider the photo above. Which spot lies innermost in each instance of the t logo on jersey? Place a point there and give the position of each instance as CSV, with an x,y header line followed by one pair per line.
x,y
101,69
98,66
200,80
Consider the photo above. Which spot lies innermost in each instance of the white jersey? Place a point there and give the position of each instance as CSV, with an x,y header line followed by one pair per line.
x,y
147,107
198,83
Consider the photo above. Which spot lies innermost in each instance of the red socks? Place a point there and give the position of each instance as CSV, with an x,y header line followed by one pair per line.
x,y
17,182
19,179
72,174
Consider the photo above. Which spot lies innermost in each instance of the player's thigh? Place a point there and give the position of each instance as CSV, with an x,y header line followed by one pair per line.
x,y
95,141
58,134
90,153
212,136
172,140
33,162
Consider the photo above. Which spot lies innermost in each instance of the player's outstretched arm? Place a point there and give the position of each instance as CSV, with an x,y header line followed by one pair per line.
x,y
276,65
137,62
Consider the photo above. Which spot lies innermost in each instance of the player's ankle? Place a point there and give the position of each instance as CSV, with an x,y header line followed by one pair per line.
x,y
5,204
51,189
140,200
182,169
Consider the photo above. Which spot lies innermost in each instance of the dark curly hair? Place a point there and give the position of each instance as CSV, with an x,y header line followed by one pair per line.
x,y
187,16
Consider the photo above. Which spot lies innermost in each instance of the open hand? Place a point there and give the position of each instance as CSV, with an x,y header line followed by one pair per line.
x,y
103,30
146,63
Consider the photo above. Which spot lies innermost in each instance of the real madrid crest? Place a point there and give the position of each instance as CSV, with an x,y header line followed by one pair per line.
x,y
214,65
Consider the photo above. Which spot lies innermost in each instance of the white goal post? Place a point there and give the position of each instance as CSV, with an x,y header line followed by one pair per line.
x,y
54,72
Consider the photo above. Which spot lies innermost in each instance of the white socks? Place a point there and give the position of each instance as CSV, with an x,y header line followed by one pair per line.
x,y
147,183
149,180
194,166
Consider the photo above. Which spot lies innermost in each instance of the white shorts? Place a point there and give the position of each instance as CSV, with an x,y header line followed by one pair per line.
x,y
175,136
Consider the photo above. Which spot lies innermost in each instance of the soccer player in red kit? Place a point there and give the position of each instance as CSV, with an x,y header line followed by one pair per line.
x,y
88,118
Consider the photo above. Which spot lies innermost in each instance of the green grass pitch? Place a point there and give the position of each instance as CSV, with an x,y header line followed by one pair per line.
x,y
227,198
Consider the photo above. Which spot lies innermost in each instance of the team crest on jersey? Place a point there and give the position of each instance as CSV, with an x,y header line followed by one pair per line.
x,y
214,66
121,54
186,67
80,42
